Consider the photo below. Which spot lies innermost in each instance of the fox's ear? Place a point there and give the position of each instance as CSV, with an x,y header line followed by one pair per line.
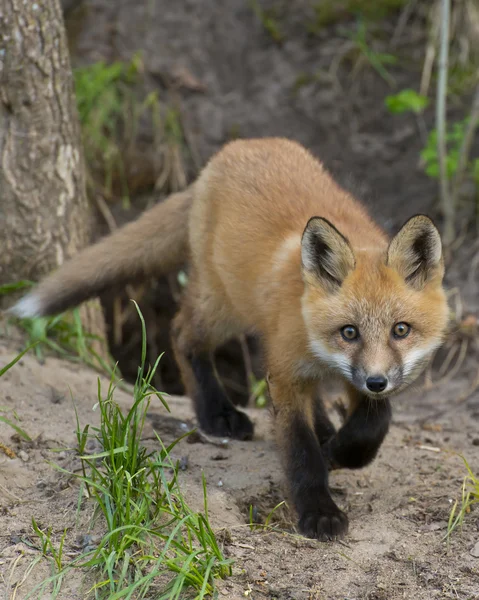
x,y
326,255
416,252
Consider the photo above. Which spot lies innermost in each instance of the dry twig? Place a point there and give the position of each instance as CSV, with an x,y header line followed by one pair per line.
x,y
447,205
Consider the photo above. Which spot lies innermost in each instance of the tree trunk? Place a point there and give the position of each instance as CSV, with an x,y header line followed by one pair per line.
x,y
45,216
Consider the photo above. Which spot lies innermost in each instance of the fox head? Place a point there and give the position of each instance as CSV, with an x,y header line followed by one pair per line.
x,y
375,317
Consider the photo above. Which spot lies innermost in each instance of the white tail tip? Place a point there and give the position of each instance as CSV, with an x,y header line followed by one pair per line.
x,y
28,307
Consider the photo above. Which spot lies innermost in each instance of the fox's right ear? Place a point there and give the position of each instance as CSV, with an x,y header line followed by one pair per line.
x,y
416,252
326,255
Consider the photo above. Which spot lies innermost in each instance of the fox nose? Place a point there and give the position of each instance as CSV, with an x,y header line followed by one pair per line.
x,y
376,383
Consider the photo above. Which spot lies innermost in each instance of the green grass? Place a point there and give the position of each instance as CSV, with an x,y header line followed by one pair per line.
x,y
469,497
63,334
154,544
269,20
454,138
377,60
254,525
21,432
329,12
110,107
104,94
115,110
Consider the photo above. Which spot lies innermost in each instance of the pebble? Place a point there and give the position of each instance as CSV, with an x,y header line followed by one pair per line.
x,y
219,456
475,441
23,456
475,551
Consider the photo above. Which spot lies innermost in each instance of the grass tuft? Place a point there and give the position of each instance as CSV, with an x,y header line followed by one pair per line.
x,y
269,20
330,12
63,334
253,518
469,497
133,142
368,55
154,544
105,101
454,138
21,432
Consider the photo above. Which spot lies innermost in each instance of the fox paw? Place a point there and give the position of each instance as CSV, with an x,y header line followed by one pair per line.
x,y
325,525
232,423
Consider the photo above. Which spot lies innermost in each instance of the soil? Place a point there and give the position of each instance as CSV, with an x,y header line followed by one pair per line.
x,y
398,507
252,85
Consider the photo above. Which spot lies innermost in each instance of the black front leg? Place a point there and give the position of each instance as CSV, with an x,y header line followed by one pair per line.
x,y
215,411
193,348
307,471
358,441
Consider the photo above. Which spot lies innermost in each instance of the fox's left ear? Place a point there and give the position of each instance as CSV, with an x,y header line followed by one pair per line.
x,y
416,252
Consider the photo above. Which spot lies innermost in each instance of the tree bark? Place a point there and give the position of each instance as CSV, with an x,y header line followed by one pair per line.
x,y
45,216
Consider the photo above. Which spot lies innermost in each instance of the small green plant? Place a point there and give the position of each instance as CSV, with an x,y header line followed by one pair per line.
x,y
329,12
21,432
112,104
98,84
62,334
269,21
454,140
462,78
18,286
470,496
254,525
406,101
104,99
258,389
154,545
51,554
109,115
48,547
377,60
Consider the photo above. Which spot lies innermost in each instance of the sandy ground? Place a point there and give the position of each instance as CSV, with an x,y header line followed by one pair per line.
x,y
398,506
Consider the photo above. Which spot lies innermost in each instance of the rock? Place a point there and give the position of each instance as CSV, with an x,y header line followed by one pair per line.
x,y
23,455
475,550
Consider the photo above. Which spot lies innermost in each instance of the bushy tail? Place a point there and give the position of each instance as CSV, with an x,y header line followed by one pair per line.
x,y
155,244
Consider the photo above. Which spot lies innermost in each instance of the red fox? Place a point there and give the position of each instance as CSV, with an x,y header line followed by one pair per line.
x,y
276,248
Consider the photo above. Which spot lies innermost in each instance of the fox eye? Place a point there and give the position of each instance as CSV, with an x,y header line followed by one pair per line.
x,y
350,333
401,330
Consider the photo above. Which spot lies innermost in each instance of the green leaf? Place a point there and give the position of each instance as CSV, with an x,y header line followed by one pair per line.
x,y
4,369
21,432
9,288
405,101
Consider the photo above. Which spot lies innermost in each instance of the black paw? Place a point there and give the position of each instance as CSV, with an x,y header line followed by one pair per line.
x,y
324,525
232,423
